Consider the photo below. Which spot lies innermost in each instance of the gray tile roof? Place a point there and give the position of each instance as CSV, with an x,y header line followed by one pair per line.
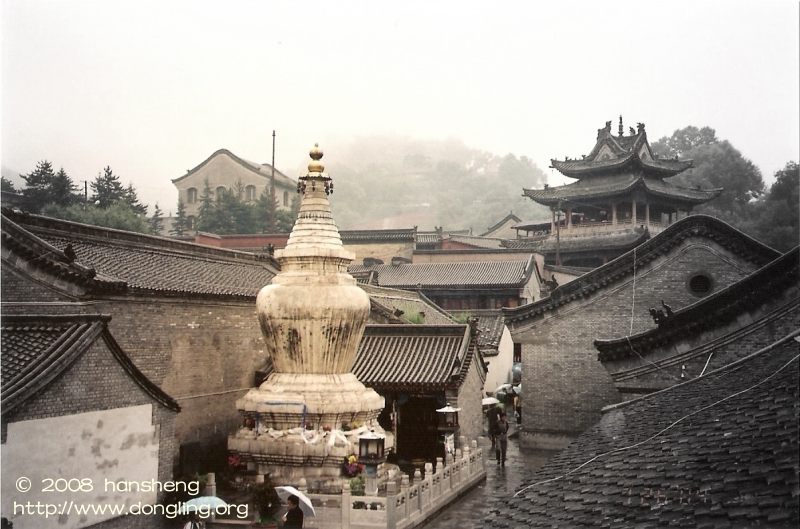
x,y
718,451
477,241
579,168
38,349
409,357
490,326
692,226
607,186
408,304
365,236
504,274
150,264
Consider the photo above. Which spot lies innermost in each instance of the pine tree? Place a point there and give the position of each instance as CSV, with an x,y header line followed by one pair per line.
x,y
157,220
207,210
132,199
268,210
181,223
38,185
107,189
7,185
63,189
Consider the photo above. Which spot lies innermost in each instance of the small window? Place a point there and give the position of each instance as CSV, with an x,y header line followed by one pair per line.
x,y
250,193
700,284
191,195
190,222
517,352
220,192
286,199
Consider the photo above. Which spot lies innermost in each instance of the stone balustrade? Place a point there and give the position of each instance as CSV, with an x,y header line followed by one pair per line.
x,y
408,501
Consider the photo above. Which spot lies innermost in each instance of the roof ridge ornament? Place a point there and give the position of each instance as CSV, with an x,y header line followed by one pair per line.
x,y
621,128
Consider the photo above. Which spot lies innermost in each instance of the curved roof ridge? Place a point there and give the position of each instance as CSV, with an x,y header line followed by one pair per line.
x,y
727,367
758,284
645,252
74,229
247,164
78,333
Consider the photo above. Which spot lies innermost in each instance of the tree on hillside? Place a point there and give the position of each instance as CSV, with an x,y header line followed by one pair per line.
x,y
267,212
181,224
107,189
717,164
118,215
7,185
157,221
132,199
777,216
64,190
43,186
683,141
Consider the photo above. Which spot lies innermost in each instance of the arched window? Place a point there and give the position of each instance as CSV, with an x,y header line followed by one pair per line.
x,y
286,199
220,192
250,193
191,195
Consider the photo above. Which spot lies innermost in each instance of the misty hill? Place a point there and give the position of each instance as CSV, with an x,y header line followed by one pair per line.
x,y
398,182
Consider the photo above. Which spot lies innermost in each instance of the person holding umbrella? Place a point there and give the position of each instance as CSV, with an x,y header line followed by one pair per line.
x,y
293,519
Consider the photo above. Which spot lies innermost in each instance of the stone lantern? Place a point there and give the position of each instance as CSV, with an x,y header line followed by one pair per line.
x,y
448,419
371,454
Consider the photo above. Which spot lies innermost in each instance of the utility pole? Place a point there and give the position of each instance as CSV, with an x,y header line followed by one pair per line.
x,y
273,207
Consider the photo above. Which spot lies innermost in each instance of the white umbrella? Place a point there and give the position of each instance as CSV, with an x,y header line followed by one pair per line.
x,y
503,388
204,504
489,400
305,503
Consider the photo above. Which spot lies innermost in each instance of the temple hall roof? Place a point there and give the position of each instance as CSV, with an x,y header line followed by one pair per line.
x,y
415,357
611,185
484,274
717,451
621,153
38,349
408,304
134,262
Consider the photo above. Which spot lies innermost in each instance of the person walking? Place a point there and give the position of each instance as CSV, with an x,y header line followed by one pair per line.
x,y
502,440
293,519
494,415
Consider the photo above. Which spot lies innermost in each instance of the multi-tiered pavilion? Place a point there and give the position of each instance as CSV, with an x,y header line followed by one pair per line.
x,y
620,191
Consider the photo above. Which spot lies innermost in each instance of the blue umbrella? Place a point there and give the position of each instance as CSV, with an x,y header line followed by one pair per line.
x,y
204,504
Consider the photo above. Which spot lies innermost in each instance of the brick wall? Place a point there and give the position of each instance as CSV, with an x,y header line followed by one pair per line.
x,y
382,251
568,385
95,382
201,352
470,418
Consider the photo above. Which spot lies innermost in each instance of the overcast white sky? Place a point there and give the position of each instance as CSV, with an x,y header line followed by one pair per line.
x,y
152,88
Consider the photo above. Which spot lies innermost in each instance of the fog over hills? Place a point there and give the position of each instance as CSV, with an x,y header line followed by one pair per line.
x,y
401,182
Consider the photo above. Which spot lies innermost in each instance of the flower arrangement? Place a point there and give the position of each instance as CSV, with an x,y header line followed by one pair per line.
x,y
351,467
234,461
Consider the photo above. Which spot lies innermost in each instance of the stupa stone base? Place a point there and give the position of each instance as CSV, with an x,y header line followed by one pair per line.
x,y
285,401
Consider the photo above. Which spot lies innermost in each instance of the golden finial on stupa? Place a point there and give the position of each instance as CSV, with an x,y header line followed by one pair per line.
x,y
315,166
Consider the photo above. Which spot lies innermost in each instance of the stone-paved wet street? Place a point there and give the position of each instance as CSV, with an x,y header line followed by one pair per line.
x,y
468,511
